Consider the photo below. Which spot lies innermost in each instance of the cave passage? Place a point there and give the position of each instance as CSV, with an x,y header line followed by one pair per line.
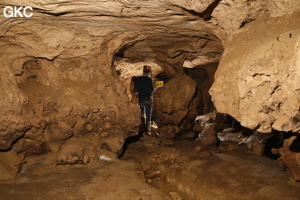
x,y
227,115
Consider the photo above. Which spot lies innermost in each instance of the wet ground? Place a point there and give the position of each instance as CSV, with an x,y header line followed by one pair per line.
x,y
154,170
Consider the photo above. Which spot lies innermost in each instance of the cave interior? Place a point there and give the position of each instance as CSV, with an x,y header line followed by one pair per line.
x,y
227,117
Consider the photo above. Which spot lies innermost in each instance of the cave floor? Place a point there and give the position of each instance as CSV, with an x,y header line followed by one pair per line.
x,y
171,170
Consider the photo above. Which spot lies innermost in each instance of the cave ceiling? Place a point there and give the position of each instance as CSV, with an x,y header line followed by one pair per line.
x,y
160,31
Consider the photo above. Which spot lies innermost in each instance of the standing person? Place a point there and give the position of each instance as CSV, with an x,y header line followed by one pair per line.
x,y
143,86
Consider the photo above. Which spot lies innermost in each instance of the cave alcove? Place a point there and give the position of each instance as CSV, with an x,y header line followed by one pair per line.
x,y
200,54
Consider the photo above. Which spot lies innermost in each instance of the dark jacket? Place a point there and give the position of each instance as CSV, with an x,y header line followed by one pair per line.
x,y
144,87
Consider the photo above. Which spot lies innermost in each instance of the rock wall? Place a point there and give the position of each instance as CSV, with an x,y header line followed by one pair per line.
x,y
57,83
256,81
59,80
174,103
290,157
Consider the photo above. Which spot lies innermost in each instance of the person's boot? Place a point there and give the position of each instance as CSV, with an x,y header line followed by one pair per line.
x,y
148,128
153,125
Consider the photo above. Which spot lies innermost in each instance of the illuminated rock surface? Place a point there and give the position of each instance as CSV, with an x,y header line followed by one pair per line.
x,y
66,73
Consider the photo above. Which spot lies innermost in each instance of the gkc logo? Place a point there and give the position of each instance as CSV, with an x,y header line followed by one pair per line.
x,y
21,11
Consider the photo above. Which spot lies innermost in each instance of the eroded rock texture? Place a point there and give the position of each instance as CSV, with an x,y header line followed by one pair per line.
x,y
261,67
290,158
61,75
66,71
173,105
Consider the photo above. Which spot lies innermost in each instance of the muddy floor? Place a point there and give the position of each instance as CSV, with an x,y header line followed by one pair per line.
x,y
154,170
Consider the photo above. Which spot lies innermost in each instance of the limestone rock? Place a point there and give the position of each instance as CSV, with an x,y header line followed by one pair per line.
x,y
289,159
70,154
230,17
208,135
58,73
113,143
261,90
10,164
56,132
205,128
76,151
62,69
172,101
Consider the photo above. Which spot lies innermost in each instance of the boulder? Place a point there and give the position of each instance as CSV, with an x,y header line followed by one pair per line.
x,y
290,160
